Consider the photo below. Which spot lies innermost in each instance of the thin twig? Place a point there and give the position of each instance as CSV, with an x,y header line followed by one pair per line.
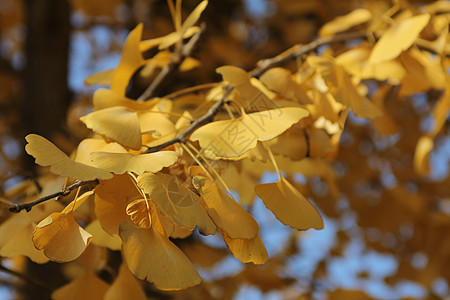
x,y
176,61
15,208
24,278
299,50
197,123
262,66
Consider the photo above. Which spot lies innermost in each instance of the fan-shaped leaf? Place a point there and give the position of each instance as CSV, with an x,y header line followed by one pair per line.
x,y
150,255
47,154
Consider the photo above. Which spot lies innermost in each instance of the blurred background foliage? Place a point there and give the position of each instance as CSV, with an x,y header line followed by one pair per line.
x,y
387,233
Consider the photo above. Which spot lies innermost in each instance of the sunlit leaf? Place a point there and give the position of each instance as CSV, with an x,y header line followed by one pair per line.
x,y
398,38
177,202
232,138
118,123
247,250
129,63
120,163
188,23
111,200
20,242
289,206
88,146
47,154
104,98
241,81
86,287
341,87
224,211
125,286
343,23
139,212
150,255
421,155
102,77
61,238
101,238
280,80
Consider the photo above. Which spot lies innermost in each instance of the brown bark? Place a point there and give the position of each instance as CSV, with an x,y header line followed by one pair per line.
x,y
46,97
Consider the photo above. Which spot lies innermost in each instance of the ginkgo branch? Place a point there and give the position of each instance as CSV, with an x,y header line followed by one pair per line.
x,y
24,278
176,61
262,66
15,208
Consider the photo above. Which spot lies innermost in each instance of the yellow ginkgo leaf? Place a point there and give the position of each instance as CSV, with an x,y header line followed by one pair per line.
x,y
148,44
341,87
152,256
232,138
129,63
101,238
88,146
241,81
422,155
398,38
177,202
102,77
120,163
47,154
224,211
356,17
117,123
288,205
247,250
104,98
125,286
193,17
156,123
86,287
61,238
355,62
139,212
280,80
20,242
111,200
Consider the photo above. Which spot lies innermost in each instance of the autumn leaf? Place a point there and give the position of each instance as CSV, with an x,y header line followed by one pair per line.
x,y
111,200
47,154
224,211
149,255
343,23
139,212
177,202
247,250
131,60
232,138
15,239
118,123
397,38
289,206
186,30
61,238
241,81
101,238
125,286
104,98
120,163
86,287
341,87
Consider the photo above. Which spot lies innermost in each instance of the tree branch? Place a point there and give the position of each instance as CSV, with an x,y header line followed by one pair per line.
x,y
262,66
176,61
15,208
24,278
